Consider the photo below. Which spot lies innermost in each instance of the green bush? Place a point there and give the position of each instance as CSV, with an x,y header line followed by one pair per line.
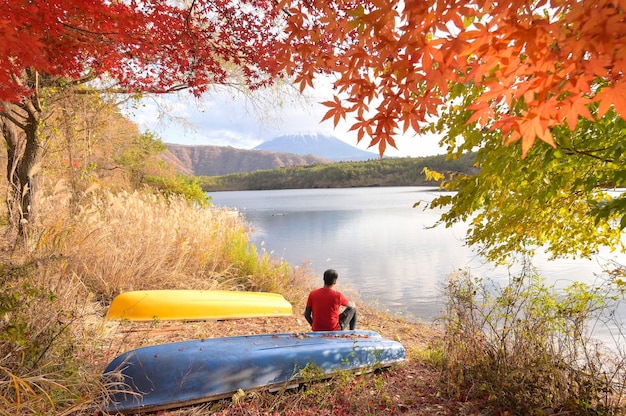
x,y
189,188
527,347
35,344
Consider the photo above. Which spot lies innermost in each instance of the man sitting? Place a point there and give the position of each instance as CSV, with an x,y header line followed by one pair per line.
x,y
323,307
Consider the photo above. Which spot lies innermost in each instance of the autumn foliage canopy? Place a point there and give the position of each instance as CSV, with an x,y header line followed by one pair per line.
x,y
537,64
143,46
55,48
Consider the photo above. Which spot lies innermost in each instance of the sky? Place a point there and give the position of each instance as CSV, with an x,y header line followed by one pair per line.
x,y
226,117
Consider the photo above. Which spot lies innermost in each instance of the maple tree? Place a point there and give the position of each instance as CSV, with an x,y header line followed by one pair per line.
x,y
565,199
90,46
538,63
534,66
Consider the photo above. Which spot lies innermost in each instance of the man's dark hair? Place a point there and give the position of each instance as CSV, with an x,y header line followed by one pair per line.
x,y
330,277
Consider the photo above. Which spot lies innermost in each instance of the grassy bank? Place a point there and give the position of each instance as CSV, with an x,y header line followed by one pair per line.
x,y
58,283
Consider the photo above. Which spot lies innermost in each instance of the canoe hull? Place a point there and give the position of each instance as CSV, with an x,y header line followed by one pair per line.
x,y
178,374
148,305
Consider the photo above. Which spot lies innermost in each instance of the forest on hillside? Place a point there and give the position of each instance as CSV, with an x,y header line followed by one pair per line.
x,y
383,172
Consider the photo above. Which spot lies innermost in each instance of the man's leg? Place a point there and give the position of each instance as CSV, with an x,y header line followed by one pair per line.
x,y
347,318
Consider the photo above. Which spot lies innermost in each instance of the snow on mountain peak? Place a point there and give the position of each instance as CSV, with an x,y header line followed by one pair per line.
x,y
319,144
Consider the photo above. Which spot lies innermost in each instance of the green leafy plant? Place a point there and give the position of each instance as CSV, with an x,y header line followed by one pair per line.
x,y
34,343
526,347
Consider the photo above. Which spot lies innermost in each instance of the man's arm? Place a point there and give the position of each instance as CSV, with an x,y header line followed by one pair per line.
x,y
344,301
308,315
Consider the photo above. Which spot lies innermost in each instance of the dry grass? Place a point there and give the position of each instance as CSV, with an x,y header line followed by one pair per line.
x,y
130,241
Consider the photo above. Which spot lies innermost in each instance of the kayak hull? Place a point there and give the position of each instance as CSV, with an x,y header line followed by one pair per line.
x,y
148,305
184,373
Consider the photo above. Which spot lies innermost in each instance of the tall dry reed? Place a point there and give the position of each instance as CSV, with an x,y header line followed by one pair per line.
x,y
141,240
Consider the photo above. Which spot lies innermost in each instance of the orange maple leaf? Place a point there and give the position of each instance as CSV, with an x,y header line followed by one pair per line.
x,y
578,108
613,95
336,112
534,126
362,126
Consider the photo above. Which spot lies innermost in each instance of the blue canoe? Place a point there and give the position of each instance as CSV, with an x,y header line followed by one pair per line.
x,y
184,373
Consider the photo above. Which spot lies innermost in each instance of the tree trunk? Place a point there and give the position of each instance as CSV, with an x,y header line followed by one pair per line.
x,y
27,171
20,132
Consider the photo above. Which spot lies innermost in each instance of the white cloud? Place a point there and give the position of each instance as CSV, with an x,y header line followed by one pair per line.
x,y
225,117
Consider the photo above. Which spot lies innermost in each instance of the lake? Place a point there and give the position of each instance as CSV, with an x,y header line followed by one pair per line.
x,y
384,249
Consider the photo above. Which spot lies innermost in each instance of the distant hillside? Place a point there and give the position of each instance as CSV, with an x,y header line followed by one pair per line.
x,y
222,160
322,145
385,172
171,159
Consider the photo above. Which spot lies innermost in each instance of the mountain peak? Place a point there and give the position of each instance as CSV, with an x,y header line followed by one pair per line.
x,y
319,144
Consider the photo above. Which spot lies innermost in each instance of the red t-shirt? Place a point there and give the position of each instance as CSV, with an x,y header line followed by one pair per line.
x,y
325,304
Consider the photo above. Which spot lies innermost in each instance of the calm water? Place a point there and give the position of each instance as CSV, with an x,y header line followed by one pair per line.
x,y
382,247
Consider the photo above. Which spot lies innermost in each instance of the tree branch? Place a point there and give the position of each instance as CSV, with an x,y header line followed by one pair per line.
x,y
9,116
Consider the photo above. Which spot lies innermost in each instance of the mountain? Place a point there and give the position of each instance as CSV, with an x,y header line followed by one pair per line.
x,y
322,145
222,160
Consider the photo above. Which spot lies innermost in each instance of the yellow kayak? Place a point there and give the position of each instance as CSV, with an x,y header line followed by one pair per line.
x,y
148,305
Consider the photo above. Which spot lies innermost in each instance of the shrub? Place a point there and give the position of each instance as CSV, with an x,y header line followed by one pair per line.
x,y
40,358
527,347
180,185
